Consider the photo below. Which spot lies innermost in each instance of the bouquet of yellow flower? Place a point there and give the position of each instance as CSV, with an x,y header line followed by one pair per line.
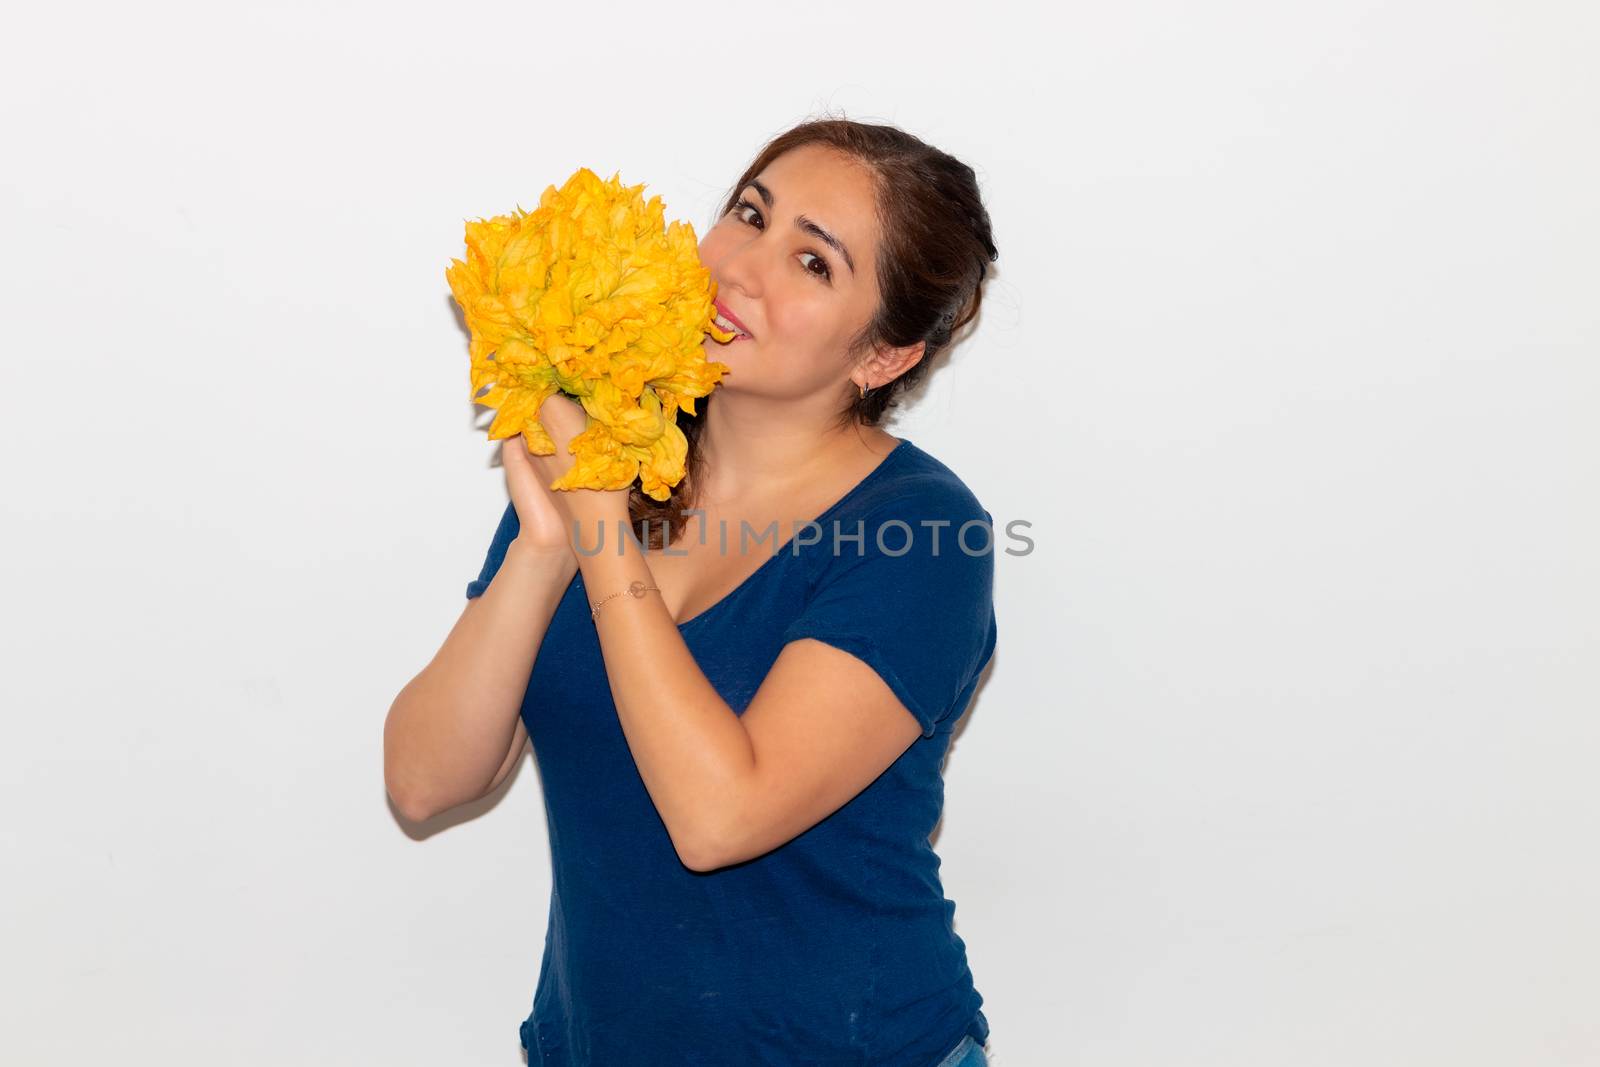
x,y
591,296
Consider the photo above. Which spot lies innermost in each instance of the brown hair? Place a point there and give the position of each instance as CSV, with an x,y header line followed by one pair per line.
x,y
932,259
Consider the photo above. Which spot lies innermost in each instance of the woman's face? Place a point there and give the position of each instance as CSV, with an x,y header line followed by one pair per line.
x,y
801,298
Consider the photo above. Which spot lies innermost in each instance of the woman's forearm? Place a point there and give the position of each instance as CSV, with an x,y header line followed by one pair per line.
x,y
691,750
449,730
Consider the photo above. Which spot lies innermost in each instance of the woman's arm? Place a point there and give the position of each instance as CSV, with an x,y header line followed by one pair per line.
x,y
822,727
726,788
447,737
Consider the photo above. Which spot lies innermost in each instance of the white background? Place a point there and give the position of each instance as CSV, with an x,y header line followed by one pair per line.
x,y
1290,358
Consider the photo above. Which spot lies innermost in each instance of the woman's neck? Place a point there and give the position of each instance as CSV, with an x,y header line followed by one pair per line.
x,y
747,454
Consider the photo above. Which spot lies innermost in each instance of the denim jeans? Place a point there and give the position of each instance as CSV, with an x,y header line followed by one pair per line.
x,y
966,1054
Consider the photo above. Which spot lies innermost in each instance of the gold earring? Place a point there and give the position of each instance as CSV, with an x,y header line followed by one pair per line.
x,y
863,390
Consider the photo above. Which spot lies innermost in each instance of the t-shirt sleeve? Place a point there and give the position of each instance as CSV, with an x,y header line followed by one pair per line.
x,y
503,536
923,618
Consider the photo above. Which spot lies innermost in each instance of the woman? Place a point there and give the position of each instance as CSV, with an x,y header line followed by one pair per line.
x,y
740,744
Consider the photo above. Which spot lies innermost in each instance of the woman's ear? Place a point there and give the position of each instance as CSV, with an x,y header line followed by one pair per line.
x,y
887,364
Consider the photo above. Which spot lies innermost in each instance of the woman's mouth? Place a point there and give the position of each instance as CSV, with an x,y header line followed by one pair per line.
x,y
731,328
724,321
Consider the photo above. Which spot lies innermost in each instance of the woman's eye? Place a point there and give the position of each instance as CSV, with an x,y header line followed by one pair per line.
x,y
826,271
825,274
740,206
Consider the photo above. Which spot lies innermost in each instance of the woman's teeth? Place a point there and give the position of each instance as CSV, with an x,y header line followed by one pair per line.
x,y
730,327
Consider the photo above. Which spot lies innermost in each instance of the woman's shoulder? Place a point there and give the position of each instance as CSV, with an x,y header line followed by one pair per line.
x,y
912,483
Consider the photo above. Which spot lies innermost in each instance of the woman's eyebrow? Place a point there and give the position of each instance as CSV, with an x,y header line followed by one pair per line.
x,y
808,226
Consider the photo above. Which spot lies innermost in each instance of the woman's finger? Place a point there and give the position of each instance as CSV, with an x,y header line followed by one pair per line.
x,y
563,419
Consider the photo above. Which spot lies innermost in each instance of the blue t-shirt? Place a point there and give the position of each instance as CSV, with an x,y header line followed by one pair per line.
x,y
837,947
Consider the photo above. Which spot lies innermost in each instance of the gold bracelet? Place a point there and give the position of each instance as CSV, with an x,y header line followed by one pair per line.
x,y
635,589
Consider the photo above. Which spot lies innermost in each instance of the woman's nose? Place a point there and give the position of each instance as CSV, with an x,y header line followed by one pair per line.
x,y
741,266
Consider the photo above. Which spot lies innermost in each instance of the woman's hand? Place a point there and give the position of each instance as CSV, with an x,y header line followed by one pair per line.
x,y
543,528
562,518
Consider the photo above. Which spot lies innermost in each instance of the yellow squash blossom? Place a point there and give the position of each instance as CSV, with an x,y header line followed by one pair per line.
x,y
592,296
